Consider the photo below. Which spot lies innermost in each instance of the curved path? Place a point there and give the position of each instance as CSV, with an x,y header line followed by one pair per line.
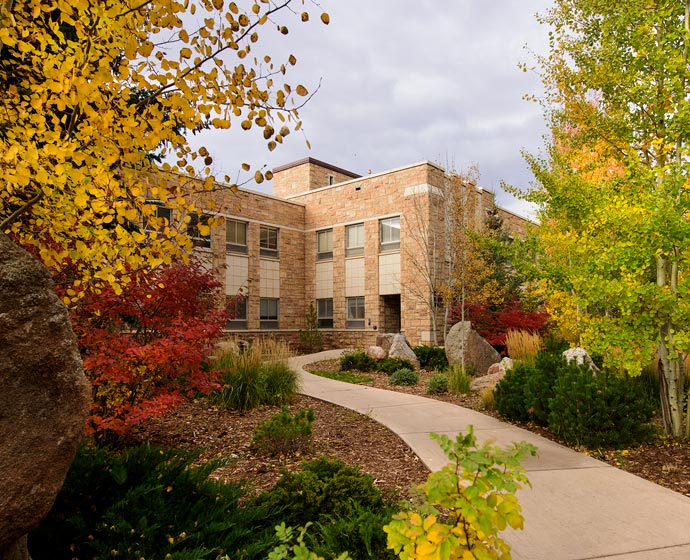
x,y
578,508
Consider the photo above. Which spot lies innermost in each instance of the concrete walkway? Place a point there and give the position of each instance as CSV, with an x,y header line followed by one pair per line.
x,y
578,508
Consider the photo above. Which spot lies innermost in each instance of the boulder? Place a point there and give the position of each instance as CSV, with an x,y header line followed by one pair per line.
x,y
401,349
44,396
581,357
479,354
507,363
490,380
496,369
384,341
376,352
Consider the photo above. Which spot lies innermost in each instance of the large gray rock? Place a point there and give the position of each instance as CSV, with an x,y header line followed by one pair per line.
x,y
581,357
479,354
44,396
401,349
385,340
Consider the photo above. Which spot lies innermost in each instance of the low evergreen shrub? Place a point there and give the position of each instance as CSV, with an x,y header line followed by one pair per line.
x,y
149,503
539,385
438,384
391,365
600,410
404,376
358,360
431,357
510,394
283,433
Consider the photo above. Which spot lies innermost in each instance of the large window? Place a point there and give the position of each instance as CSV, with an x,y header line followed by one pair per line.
x,y
324,313
355,312
235,236
268,242
268,313
354,240
324,245
237,308
194,227
389,234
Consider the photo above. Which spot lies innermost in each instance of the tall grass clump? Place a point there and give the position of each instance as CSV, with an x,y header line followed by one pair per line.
x,y
523,346
459,379
257,375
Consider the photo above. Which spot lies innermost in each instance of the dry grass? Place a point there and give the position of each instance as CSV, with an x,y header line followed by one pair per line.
x,y
523,346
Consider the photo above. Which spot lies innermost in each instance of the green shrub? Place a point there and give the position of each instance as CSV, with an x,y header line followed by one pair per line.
x,y
466,504
311,338
539,385
280,382
459,380
322,487
358,360
509,393
431,357
391,365
599,410
283,434
404,376
346,376
438,384
150,503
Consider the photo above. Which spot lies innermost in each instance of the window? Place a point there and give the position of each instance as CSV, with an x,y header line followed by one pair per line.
x,y
324,313
354,240
268,242
355,312
268,313
194,226
389,234
331,179
235,236
237,308
162,213
324,245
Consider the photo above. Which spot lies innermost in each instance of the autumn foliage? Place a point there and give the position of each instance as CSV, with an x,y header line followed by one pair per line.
x,y
492,322
144,350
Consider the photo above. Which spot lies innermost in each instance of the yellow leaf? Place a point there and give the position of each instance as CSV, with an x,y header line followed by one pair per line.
x,y
301,90
325,18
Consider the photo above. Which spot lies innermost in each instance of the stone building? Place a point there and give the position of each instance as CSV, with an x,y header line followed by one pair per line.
x,y
351,245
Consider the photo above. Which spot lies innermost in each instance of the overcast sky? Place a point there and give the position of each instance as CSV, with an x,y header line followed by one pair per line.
x,y
404,81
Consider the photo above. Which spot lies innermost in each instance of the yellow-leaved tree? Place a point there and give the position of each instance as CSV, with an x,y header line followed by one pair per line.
x,y
96,99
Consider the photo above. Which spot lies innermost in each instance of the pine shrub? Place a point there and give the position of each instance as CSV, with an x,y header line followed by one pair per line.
x,y
600,410
431,357
359,360
510,394
391,365
283,433
438,384
404,376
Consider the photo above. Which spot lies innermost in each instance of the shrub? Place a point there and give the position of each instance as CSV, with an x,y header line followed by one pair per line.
x,y
599,410
391,365
438,384
539,385
431,357
358,360
459,380
404,376
283,434
150,503
523,346
510,394
465,504
322,487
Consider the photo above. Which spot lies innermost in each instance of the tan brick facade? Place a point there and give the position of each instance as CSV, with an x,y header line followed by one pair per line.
x,y
305,203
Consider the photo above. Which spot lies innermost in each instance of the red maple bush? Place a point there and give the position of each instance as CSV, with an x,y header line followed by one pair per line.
x,y
145,350
492,322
